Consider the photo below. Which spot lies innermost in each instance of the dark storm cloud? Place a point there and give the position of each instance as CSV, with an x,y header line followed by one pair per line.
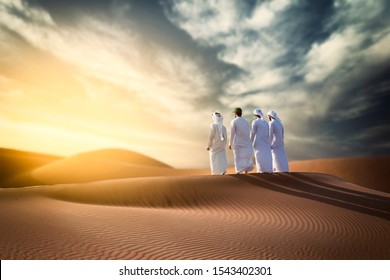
x,y
301,25
356,121
358,116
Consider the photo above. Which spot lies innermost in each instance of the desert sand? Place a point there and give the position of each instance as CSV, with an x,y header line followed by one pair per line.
x,y
370,172
89,166
14,162
116,204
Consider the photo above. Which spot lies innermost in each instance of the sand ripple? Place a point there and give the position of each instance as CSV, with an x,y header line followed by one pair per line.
x,y
256,216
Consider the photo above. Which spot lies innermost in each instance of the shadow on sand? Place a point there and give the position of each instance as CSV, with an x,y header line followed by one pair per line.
x,y
310,188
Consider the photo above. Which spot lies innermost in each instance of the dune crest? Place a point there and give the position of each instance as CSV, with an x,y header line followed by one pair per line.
x,y
120,155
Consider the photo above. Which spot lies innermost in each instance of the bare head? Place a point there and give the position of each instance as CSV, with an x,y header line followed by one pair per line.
x,y
237,112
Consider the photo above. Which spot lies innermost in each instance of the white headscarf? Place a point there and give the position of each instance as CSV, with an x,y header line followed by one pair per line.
x,y
218,119
258,112
274,115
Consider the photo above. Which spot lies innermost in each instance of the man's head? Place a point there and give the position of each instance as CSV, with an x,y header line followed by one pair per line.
x,y
217,117
258,113
272,115
237,112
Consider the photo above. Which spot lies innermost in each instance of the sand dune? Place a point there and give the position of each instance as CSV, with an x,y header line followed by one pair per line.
x,y
255,216
370,172
94,166
115,204
90,170
14,162
30,169
117,155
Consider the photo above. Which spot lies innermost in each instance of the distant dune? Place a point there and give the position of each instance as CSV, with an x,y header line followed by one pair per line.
x,y
91,166
119,155
254,216
370,172
14,162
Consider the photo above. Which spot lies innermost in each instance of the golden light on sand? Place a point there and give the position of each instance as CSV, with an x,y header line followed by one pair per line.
x,y
105,111
128,206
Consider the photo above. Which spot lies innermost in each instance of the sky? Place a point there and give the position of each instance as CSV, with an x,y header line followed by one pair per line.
x,y
146,76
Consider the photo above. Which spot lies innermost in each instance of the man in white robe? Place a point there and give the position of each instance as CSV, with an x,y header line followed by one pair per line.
x,y
240,142
261,143
217,145
276,134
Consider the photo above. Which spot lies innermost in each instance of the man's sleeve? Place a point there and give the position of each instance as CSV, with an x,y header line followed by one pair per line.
x,y
232,133
253,132
211,135
271,133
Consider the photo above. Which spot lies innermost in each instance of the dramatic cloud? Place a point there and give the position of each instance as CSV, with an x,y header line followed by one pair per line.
x,y
315,63
146,75
114,67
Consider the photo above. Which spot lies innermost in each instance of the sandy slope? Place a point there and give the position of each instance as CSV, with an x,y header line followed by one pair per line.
x,y
91,166
256,216
371,172
115,204
14,162
32,169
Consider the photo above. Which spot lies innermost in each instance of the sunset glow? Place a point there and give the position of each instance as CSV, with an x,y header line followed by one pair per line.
x,y
146,77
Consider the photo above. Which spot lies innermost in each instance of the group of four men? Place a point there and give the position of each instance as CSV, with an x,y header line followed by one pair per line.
x,y
265,139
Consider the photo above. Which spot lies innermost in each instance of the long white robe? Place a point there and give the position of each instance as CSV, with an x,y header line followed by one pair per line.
x,y
279,157
261,145
217,151
241,145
